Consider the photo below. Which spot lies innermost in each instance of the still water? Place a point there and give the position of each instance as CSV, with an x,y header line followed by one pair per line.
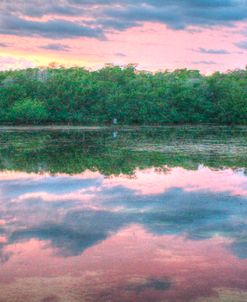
x,y
128,214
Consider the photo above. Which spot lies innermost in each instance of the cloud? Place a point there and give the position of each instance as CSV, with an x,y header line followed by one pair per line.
x,y
203,63
178,14
120,54
40,8
56,47
212,51
55,28
4,45
242,44
102,16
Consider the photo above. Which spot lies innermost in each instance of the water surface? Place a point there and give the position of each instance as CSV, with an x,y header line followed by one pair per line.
x,y
128,214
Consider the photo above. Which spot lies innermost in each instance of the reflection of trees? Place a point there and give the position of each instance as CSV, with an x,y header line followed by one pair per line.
x,y
75,151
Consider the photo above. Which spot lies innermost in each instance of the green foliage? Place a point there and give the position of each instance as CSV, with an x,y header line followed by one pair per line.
x,y
76,95
28,111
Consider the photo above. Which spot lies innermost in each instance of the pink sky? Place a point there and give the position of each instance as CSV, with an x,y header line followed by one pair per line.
x,y
142,33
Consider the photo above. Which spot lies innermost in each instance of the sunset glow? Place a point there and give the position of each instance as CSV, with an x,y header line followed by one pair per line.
x,y
156,35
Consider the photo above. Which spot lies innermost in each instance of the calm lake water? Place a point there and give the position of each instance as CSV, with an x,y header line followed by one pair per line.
x,y
128,214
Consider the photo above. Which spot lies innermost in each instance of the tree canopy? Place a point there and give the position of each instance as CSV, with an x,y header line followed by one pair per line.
x,y
79,96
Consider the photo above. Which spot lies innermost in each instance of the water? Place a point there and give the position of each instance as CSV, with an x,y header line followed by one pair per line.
x,y
127,214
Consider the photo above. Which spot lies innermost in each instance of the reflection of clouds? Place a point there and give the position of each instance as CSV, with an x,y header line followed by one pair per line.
x,y
4,255
132,265
146,182
83,196
77,230
60,185
3,239
74,213
140,285
151,182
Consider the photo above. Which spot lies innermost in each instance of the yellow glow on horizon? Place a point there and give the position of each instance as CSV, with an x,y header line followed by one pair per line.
x,y
41,59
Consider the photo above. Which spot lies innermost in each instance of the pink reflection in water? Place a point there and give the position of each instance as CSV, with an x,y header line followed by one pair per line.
x,y
150,181
145,182
132,265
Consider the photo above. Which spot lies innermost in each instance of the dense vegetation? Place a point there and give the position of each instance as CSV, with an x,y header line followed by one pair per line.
x,y
79,96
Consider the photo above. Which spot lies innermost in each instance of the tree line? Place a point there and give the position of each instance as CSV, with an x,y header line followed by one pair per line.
x,y
80,96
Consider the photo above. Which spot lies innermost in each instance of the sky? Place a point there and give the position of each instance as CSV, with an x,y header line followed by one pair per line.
x,y
208,35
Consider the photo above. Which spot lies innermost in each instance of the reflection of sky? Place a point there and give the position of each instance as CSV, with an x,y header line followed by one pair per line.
x,y
187,227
